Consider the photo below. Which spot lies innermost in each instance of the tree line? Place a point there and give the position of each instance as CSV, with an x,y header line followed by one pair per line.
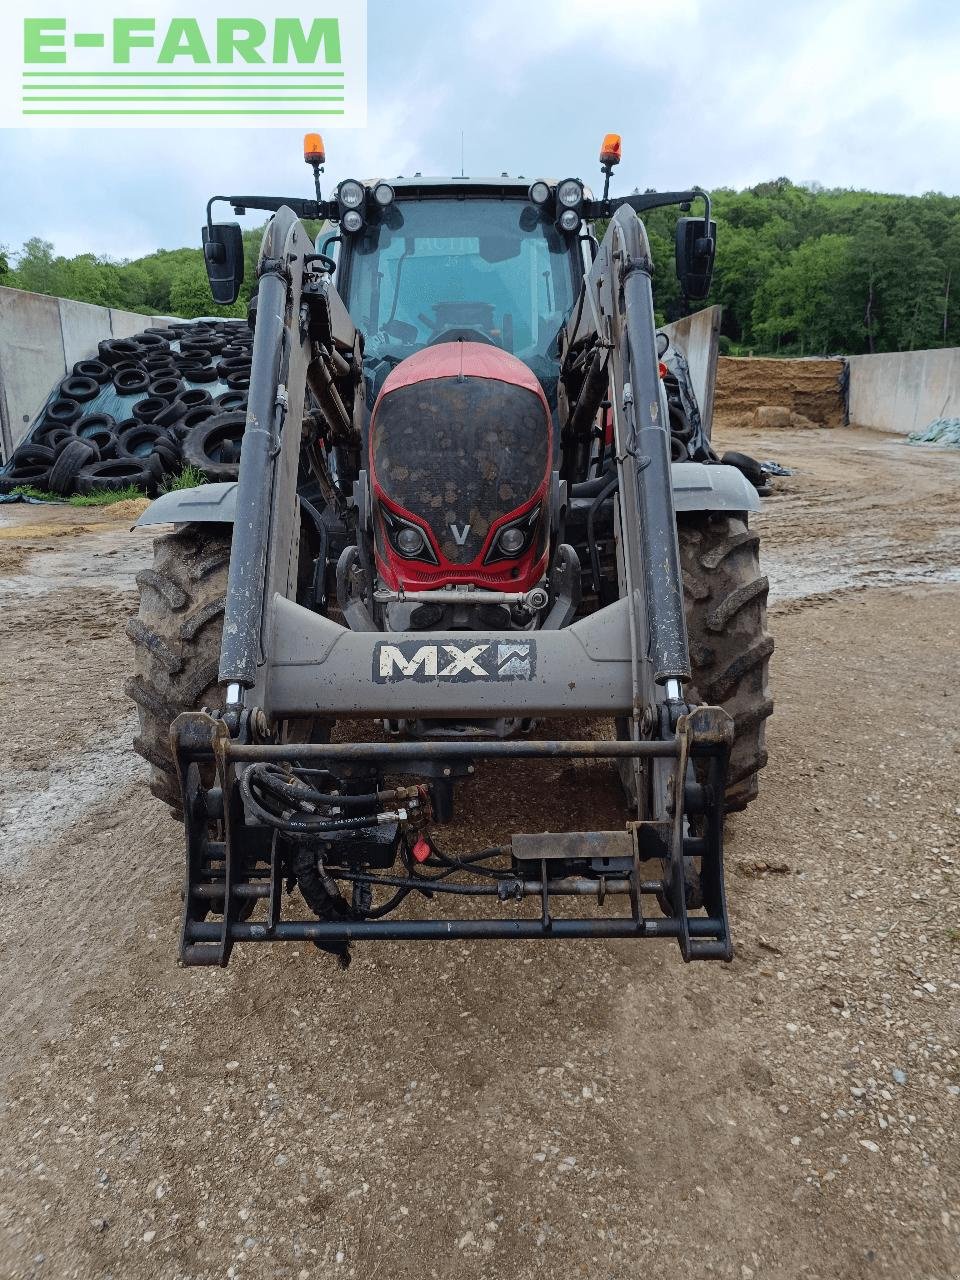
x,y
800,270
170,282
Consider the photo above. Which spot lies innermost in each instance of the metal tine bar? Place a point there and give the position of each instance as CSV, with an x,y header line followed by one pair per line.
x,y
566,887
397,751
701,927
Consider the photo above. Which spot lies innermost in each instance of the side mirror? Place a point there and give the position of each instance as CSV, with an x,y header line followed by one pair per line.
x,y
696,247
223,257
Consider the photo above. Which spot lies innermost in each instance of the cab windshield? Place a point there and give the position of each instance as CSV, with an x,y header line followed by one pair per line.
x,y
436,268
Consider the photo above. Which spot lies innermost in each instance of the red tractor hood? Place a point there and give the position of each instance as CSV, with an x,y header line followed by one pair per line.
x,y
460,446
471,359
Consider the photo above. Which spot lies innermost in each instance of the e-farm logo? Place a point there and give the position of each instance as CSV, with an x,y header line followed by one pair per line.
x,y
135,65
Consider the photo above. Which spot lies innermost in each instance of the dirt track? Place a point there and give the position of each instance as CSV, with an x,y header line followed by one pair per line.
x,y
497,1110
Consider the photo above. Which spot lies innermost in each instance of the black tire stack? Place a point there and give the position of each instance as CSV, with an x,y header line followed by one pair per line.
x,y
178,396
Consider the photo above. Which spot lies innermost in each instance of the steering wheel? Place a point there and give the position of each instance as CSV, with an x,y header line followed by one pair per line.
x,y
461,334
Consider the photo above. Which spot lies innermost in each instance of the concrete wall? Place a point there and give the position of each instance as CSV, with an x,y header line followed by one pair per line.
x,y
41,339
904,391
696,336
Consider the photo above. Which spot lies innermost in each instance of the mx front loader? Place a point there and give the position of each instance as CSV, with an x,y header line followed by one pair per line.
x,y
474,497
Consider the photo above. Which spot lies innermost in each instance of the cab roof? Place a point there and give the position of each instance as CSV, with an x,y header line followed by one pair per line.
x,y
504,185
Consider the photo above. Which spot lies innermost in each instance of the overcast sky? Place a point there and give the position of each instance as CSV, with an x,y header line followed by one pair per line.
x,y
858,93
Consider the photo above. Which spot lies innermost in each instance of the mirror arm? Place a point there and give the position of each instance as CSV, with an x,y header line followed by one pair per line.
x,y
210,203
639,203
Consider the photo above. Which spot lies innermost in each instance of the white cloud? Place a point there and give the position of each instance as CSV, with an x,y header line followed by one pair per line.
x,y
849,92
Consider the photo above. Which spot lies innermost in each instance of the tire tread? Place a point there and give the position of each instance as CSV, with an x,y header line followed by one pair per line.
x,y
176,637
726,605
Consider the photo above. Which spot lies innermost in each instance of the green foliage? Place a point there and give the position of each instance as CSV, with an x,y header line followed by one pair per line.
x,y
187,478
168,282
99,497
105,497
805,271
29,491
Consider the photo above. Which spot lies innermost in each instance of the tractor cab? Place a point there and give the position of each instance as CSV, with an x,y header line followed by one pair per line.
x,y
459,259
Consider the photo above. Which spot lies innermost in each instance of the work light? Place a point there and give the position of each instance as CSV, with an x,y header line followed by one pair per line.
x,y
351,194
570,193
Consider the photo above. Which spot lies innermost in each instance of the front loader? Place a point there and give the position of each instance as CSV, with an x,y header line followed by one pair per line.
x,y
474,498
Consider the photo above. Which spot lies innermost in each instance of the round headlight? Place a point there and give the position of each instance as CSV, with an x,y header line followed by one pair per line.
x,y
511,540
570,219
350,194
351,221
409,541
539,192
570,193
383,194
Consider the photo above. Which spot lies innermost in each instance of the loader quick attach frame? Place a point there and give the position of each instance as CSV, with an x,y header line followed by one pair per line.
x,y
282,663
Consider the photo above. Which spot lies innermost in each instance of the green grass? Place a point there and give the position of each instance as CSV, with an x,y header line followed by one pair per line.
x,y
99,498
28,491
188,478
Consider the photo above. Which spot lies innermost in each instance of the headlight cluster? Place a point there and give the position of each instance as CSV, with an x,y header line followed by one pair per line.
x,y
514,538
408,540
568,197
352,200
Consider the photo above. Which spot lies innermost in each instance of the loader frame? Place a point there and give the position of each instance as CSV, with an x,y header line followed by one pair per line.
x,y
282,663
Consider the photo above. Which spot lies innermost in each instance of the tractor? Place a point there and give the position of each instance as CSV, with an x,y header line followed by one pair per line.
x,y
475,497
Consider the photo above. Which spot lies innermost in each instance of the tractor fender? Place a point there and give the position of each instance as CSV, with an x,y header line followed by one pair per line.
x,y
696,487
206,504
699,486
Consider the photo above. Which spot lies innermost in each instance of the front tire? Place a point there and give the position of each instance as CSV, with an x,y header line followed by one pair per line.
x,y
176,636
725,597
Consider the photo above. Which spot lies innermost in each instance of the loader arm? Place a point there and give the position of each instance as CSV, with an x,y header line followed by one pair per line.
x,y
613,332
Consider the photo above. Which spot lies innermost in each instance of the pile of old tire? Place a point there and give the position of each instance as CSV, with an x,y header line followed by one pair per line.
x,y
142,410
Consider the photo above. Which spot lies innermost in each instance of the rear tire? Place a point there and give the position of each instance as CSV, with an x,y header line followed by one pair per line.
x,y
725,596
176,638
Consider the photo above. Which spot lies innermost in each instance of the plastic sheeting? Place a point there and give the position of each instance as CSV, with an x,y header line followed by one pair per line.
x,y
944,432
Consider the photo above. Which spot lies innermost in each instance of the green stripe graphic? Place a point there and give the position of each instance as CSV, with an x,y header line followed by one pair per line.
x,y
43,111
183,73
183,97
207,90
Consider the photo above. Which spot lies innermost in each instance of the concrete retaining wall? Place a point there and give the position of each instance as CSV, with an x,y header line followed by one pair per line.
x,y
904,391
41,339
696,336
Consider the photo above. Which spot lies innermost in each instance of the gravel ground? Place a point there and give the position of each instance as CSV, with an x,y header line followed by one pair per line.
x,y
497,1110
